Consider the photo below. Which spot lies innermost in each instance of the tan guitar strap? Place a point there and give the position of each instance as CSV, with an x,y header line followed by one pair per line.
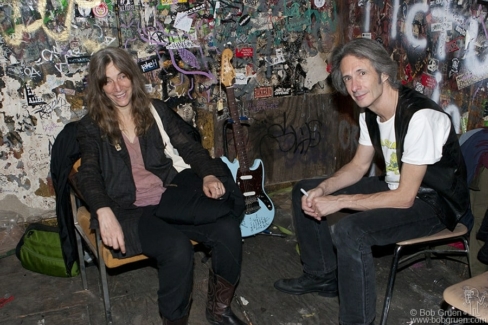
x,y
178,162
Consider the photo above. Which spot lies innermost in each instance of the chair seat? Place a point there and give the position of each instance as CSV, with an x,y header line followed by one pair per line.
x,y
468,296
441,237
83,218
460,230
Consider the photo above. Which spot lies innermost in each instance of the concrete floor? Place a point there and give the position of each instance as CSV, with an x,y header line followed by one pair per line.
x,y
35,299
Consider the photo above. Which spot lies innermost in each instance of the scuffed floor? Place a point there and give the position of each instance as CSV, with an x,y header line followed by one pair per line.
x,y
35,299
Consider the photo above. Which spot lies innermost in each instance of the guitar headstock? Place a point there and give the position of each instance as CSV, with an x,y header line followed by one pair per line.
x,y
227,73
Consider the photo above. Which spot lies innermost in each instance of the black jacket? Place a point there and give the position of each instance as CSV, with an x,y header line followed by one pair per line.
x,y
444,186
105,175
65,152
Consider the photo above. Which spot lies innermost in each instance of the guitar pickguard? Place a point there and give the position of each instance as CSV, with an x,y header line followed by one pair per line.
x,y
259,209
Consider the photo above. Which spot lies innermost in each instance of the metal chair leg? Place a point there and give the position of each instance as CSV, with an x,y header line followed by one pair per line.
x,y
74,210
103,278
81,260
428,260
468,260
391,282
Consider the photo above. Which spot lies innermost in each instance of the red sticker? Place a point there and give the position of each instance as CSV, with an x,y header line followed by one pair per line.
x,y
101,10
263,92
428,81
452,46
245,52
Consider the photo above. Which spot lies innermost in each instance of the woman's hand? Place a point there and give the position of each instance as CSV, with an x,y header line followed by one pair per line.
x,y
110,229
213,187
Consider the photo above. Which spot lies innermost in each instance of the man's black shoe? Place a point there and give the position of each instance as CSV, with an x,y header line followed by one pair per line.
x,y
325,286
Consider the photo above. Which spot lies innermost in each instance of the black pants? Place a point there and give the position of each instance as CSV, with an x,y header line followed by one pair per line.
x,y
346,245
170,245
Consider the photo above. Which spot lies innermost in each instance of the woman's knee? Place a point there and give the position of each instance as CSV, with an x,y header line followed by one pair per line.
x,y
179,252
227,229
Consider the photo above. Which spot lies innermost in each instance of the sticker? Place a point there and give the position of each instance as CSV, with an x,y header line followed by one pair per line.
x,y
32,99
282,91
319,3
67,91
183,22
460,30
432,65
79,59
278,58
149,65
419,87
441,27
101,10
467,79
454,67
172,2
263,92
244,20
428,80
245,52
452,46
186,44
241,78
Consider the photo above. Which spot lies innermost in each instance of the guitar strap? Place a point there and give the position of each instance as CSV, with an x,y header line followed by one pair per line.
x,y
178,162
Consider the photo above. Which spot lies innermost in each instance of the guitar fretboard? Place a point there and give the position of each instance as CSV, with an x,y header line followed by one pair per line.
x,y
237,130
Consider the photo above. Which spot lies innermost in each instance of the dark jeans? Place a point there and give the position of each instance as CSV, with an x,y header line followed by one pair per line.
x,y
170,245
346,245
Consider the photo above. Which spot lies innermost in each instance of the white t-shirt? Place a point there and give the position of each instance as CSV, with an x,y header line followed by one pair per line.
x,y
426,135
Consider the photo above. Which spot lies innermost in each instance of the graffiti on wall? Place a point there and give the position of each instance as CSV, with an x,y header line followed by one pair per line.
x,y
441,47
45,47
281,48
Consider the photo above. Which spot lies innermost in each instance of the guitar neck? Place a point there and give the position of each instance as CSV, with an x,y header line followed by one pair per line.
x,y
237,130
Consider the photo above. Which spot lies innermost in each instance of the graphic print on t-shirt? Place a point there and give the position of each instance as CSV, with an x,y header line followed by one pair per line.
x,y
391,160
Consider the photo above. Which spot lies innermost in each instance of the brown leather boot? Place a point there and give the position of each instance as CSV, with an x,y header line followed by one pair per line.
x,y
181,321
219,298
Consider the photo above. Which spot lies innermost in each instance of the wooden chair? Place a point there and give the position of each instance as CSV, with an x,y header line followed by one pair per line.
x,y
460,234
92,240
469,297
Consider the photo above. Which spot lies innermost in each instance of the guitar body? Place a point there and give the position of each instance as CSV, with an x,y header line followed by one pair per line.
x,y
260,210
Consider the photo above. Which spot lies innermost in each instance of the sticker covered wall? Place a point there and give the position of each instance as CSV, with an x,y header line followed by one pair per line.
x,y
441,47
45,47
281,51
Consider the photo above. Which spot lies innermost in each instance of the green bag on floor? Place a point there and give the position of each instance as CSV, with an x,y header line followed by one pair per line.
x,y
39,250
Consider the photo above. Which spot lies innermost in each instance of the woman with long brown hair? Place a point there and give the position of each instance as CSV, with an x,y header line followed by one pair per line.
x,y
124,177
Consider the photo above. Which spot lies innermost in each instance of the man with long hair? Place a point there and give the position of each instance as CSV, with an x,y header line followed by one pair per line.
x,y
423,191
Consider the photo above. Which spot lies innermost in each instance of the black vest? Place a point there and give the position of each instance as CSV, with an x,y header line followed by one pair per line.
x,y
444,186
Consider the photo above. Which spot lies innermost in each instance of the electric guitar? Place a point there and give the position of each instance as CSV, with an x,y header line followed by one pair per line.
x,y
260,210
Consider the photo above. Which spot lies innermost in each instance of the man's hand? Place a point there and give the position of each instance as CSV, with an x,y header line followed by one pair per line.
x,y
317,204
213,187
319,207
307,200
110,229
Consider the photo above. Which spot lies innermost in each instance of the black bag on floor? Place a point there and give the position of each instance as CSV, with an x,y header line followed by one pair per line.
x,y
39,250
